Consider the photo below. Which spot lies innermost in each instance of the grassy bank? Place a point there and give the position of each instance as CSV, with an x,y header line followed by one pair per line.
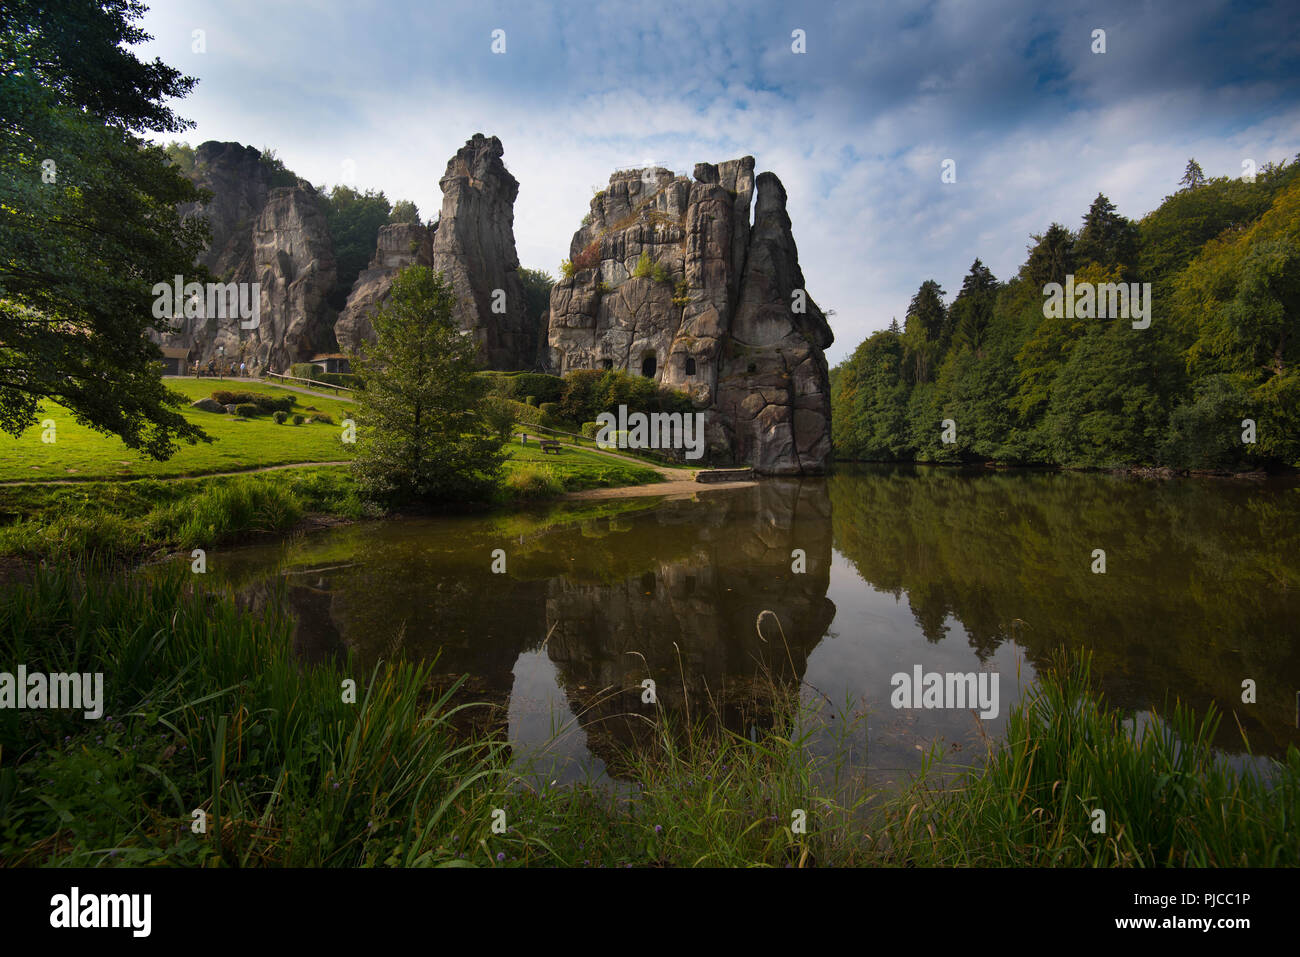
x,y
135,519
80,453
206,709
132,520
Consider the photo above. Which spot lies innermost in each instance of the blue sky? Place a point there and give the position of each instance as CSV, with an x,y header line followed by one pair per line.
x,y
380,95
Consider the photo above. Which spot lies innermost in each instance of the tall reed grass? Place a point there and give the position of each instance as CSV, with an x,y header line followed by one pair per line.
x,y
206,709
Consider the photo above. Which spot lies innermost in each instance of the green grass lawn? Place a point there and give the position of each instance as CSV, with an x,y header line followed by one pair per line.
x,y
82,453
576,468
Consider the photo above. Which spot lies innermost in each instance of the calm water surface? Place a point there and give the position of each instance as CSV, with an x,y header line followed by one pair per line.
x,y
954,571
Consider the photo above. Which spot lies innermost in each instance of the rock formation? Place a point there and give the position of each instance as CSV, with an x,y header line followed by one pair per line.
x,y
275,236
723,314
473,246
399,245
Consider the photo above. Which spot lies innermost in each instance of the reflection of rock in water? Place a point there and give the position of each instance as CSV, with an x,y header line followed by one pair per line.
x,y
316,638
690,625
681,585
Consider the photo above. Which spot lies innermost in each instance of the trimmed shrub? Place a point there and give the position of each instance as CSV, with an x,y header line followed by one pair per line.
x,y
299,419
233,398
549,411
324,417
528,414
270,403
281,417
248,410
591,429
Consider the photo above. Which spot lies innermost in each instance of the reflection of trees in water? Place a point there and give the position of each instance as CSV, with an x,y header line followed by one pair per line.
x,y
1202,586
671,593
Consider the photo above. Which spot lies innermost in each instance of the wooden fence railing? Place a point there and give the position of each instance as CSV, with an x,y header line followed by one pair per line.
x,y
317,382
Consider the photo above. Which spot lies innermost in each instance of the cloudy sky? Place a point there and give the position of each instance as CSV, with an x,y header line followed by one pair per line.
x,y
858,127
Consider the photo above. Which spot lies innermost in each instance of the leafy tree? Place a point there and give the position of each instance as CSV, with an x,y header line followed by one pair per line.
x,y
354,220
537,292
1204,432
1107,238
88,221
1171,235
1193,178
422,436
404,211
1222,347
972,310
281,175
925,328
1051,258
181,155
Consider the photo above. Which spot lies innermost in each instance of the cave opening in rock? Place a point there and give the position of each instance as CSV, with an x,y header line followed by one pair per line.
x,y
690,365
607,363
648,365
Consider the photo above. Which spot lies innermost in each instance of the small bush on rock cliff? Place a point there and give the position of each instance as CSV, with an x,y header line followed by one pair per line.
x,y
589,392
421,433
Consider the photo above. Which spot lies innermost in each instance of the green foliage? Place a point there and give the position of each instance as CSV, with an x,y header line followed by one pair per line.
x,y
532,481
499,414
1223,260
271,403
1172,799
526,386
206,705
181,155
404,211
421,436
248,410
86,239
354,220
537,292
589,392
280,174
644,267
280,417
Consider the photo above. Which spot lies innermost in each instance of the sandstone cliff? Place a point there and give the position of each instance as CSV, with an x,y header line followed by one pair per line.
x,y
724,315
275,236
473,246
399,245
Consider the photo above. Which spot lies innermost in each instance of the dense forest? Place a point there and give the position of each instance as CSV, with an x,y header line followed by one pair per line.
x,y
998,375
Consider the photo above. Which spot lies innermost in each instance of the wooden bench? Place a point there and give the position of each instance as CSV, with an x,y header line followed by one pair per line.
x,y
549,445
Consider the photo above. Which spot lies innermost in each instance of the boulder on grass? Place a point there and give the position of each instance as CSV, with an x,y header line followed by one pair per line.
x,y
208,405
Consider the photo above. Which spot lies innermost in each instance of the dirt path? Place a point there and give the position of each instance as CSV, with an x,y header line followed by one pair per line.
x,y
673,488
178,478
275,382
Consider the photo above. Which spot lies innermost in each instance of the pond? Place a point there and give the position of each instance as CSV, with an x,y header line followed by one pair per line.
x,y
870,573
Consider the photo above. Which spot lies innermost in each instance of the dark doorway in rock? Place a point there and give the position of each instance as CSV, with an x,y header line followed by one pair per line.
x,y
648,583
607,363
690,365
753,367
648,365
